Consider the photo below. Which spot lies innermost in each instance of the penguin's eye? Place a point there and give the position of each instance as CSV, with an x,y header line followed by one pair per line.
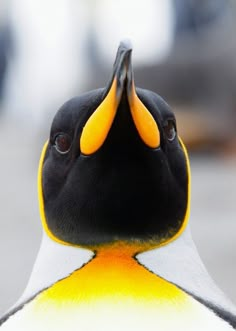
x,y
62,143
170,130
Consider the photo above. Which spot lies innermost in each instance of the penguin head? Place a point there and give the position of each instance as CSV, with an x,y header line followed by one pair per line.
x,y
114,167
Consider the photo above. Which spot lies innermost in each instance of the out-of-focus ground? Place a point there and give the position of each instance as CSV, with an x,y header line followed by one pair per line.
x,y
185,50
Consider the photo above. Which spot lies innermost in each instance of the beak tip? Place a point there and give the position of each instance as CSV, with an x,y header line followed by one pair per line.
x,y
122,65
126,45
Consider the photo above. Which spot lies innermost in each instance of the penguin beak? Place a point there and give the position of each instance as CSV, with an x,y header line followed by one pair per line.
x,y
99,124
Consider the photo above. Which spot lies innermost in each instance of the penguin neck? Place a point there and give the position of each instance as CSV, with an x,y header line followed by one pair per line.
x,y
57,261
125,248
119,249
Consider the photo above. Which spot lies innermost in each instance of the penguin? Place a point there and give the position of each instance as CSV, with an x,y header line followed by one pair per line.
x,y
114,200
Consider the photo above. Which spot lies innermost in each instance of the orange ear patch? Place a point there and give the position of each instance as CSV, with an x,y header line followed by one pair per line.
x,y
143,120
98,125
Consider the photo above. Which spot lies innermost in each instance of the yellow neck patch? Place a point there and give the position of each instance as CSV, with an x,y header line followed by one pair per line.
x,y
113,275
114,292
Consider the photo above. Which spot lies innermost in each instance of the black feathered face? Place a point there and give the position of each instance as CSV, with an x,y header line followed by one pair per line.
x,y
123,189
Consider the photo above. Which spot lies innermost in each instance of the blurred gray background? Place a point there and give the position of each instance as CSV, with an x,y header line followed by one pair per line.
x,y
184,50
